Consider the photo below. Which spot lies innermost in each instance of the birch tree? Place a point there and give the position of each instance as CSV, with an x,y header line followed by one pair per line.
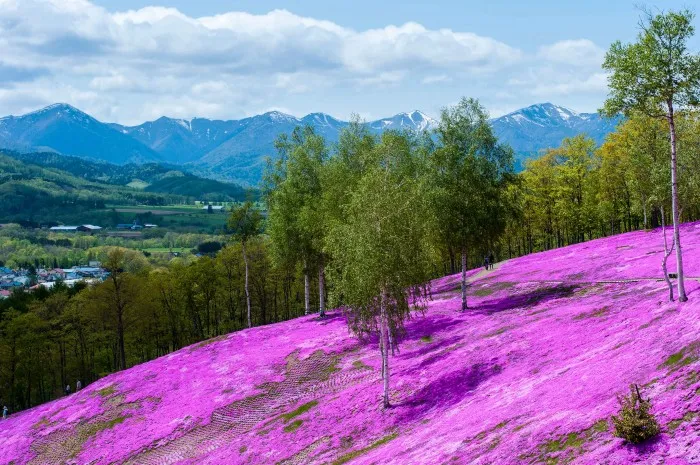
x,y
379,247
245,224
296,224
657,76
469,173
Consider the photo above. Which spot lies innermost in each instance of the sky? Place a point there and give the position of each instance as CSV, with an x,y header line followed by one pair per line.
x,y
130,61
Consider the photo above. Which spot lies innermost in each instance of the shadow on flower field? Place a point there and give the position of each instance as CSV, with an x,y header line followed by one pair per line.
x,y
529,374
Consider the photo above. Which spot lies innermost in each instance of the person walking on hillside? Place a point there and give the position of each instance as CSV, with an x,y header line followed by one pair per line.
x,y
67,389
491,260
486,263
78,386
4,412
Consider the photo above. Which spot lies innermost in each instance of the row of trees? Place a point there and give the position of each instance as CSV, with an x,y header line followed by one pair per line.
x,y
381,215
49,339
22,248
579,192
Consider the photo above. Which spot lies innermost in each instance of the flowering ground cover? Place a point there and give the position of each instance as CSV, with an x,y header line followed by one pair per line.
x,y
529,374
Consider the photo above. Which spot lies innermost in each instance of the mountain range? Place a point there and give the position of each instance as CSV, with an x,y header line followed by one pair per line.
x,y
235,150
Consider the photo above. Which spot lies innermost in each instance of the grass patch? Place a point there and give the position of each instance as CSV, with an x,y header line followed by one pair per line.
x,y
299,411
293,426
683,357
242,449
497,332
600,426
345,458
360,365
673,425
138,184
565,448
427,339
600,313
491,288
211,340
43,422
107,391
112,423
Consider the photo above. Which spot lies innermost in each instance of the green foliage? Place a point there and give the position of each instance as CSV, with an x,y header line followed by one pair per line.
x,y
53,338
635,422
245,222
29,192
379,247
209,247
656,72
151,177
294,190
468,176
576,192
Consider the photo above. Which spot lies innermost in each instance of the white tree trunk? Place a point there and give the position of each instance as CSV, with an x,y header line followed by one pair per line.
x,y
247,291
644,208
674,206
667,253
384,341
322,289
464,279
307,302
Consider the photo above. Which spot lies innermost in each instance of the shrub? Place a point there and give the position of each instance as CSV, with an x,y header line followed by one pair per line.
x,y
635,423
209,247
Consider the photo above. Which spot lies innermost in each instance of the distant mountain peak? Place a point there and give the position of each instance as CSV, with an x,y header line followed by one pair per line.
x,y
544,125
54,109
58,106
545,115
236,149
276,115
322,120
415,120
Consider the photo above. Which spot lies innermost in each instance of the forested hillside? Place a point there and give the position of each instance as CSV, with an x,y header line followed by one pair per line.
x,y
150,177
34,194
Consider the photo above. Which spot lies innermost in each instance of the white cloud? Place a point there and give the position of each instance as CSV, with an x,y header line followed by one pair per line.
x,y
581,52
383,79
434,79
567,85
112,82
139,64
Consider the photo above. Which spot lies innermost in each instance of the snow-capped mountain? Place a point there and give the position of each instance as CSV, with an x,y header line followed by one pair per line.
x,y
181,141
415,120
537,127
65,129
236,150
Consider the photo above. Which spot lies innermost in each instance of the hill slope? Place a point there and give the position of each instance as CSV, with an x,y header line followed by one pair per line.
x,y
150,177
529,375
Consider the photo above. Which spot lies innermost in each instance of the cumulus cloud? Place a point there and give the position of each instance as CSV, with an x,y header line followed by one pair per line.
x,y
136,64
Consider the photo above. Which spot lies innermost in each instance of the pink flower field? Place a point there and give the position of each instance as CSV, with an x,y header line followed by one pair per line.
x,y
528,375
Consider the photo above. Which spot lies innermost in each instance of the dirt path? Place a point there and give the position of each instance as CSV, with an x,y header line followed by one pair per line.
x,y
485,272
496,266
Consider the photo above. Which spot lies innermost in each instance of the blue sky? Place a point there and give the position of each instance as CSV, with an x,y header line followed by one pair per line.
x,y
134,60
